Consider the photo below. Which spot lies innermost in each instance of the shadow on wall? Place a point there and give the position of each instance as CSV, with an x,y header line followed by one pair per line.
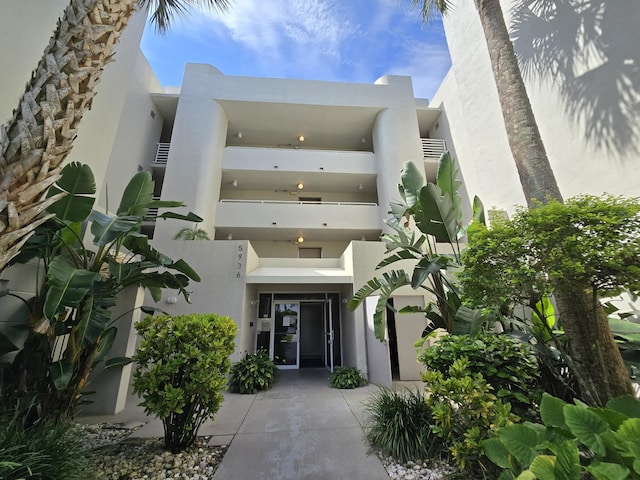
x,y
590,50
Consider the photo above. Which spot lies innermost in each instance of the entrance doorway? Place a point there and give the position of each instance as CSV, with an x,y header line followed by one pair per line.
x,y
300,332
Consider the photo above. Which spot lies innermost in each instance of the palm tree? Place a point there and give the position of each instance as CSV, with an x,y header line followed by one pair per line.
x,y
599,365
39,137
195,233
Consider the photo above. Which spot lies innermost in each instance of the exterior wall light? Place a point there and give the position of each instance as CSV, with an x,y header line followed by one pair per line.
x,y
300,186
301,138
300,239
239,135
171,300
234,183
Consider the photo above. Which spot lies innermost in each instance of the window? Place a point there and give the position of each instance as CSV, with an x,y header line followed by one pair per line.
x,y
309,252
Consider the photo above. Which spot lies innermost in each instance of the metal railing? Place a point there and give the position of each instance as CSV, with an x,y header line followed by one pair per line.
x,y
152,213
433,148
162,153
296,202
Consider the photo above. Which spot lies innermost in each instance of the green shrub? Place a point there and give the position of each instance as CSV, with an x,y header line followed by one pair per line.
x,y
255,372
46,450
398,425
465,413
576,441
182,366
507,364
347,377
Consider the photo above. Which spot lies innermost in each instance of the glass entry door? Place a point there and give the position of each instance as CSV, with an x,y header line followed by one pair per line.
x,y
329,335
286,338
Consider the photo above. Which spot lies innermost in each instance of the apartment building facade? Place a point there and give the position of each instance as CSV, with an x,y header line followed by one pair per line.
x,y
293,180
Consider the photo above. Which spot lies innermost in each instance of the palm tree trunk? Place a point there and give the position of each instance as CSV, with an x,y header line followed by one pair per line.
x,y
40,135
536,176
602,374
593,351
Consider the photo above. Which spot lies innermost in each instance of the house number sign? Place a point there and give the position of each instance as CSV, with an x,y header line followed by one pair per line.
x,y
239,261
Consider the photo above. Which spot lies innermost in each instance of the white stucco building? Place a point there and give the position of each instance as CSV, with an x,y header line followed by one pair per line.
x,y
293,180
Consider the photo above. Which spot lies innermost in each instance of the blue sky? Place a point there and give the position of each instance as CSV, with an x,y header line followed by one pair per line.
x,y
338,40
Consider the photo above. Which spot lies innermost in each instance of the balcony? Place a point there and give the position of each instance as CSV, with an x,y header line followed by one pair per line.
x,y
162,154
285,220
433,148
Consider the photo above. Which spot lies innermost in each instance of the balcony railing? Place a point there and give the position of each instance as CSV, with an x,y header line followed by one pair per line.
x,y
162,153
152,213
433,148
296,202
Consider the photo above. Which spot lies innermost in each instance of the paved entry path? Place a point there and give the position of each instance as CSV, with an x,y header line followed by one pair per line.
x,y
299,429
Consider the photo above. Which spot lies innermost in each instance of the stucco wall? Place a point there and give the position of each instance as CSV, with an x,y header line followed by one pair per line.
x,y
471,110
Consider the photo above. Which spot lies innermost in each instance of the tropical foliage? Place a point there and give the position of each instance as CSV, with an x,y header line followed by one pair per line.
x,y
465,413
195,233
347,378
48,450
574,441
182,366
255,372
70,329
593,242
508,365
398,425
429,217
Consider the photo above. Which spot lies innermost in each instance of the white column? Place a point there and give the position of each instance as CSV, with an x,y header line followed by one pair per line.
x,y
396,139
195,156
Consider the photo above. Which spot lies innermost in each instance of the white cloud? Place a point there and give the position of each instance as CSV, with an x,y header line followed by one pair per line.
x,y
427,64
267,26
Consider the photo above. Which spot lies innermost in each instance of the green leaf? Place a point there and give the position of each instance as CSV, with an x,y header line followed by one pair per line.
x,y
412,183
190,217
586,426
543,467
496,451
61,372
67,286
608,471
551,411
521,441
626,404
567,465
628,436
137,194
104,345
438,215
447,179
117,362
183,267
76,180
106,228
468,321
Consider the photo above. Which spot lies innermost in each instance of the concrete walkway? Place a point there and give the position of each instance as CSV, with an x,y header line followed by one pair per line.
x,y
299,429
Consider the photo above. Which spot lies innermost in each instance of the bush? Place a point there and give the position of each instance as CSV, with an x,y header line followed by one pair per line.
x,y
504,362
465,413
182,364
576,441
398,425
255,372
47,450
347,377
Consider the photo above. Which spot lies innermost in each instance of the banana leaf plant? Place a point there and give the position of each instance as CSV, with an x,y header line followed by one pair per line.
x,y
429,215
72,305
